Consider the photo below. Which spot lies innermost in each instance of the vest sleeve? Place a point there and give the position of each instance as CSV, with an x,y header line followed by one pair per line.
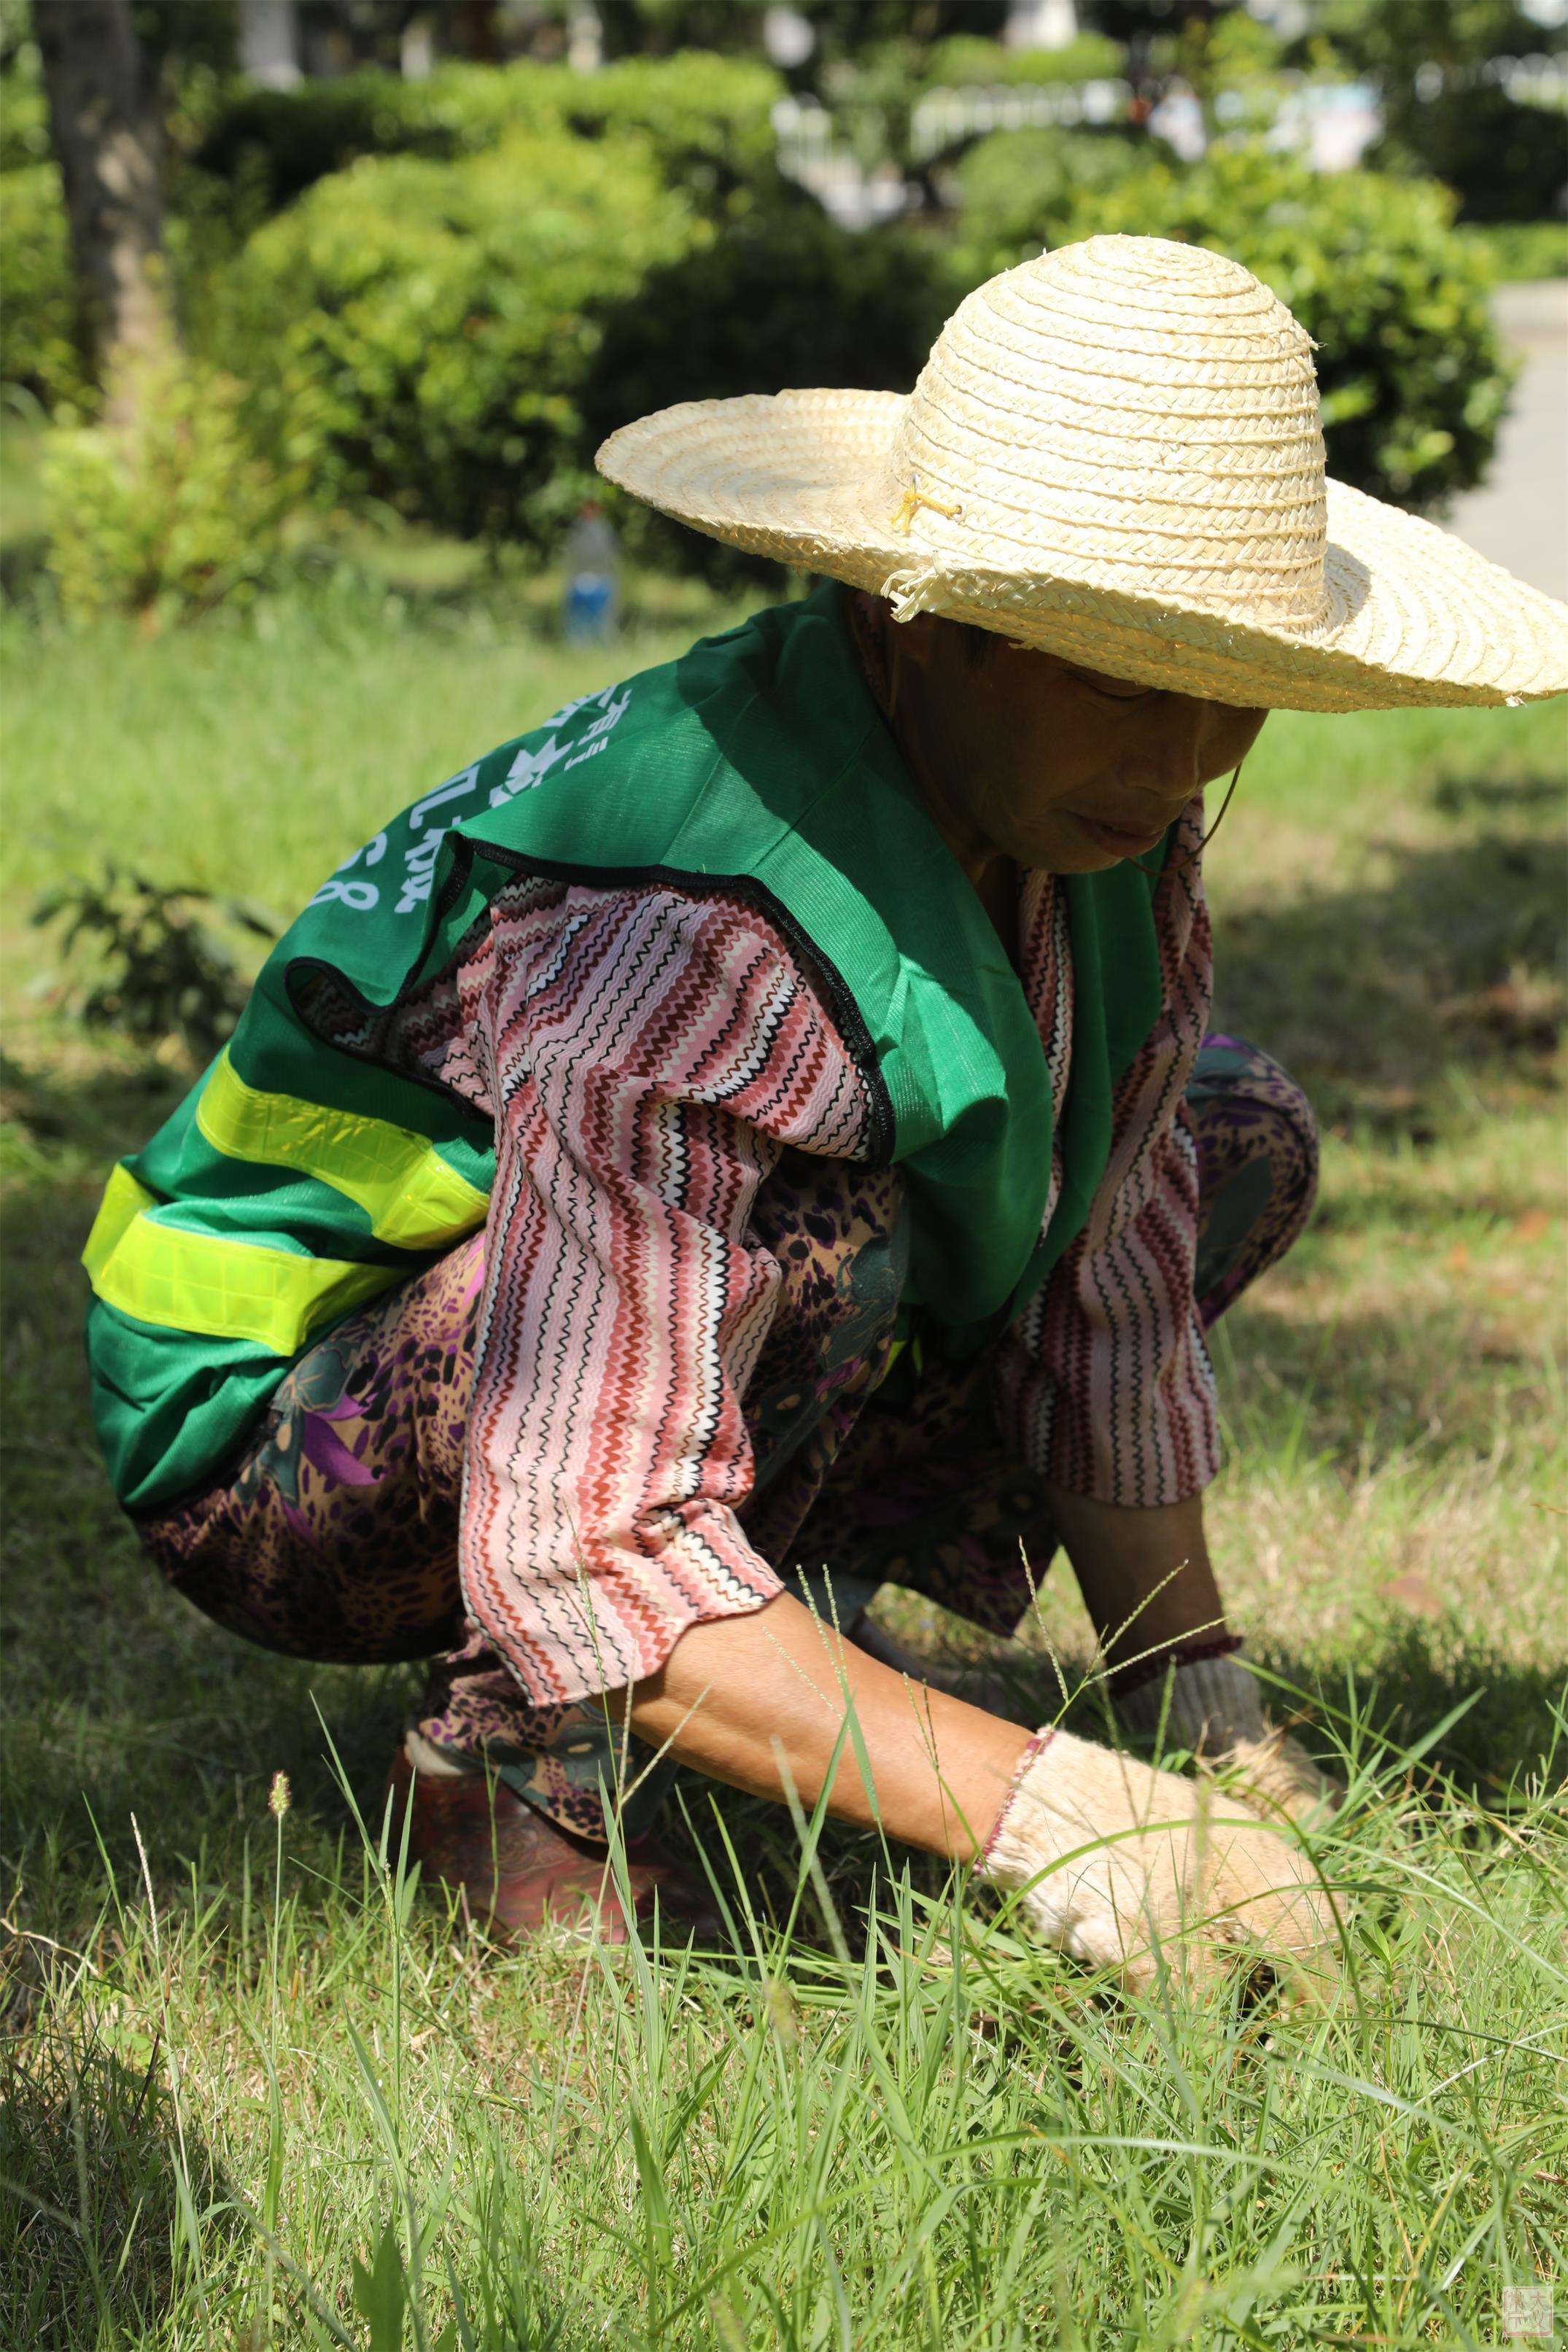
x,y
1104,1384
648,1056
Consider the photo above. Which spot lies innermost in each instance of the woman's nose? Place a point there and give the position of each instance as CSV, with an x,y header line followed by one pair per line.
x,y
1168,765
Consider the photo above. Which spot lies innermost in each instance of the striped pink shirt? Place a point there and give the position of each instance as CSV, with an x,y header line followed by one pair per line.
x,y
647,1056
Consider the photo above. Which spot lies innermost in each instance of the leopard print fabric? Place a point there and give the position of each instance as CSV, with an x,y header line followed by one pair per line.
x,y
336,1537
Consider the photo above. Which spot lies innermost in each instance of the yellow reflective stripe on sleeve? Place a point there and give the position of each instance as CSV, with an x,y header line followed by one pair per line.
x,y
413,1199
123,1200
208,1283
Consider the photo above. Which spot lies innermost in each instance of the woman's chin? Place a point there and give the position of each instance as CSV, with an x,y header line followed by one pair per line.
x,y
1077,856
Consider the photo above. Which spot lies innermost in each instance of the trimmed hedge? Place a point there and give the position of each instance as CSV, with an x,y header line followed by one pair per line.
x,y
438,322
1016,187
1413,377
769,307
775,305
962,62
457,345
707,121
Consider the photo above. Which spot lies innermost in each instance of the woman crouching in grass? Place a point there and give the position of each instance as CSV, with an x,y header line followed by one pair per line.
x,y
755,1136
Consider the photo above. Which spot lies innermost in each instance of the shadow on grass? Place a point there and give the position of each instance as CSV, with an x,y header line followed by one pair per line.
x,y
90,2155
1358,1391
1401,1684
1509,1728
1459,795
92,1114
1371,995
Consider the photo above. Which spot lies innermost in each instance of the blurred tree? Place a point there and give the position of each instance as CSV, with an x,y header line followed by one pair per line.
x,y
1229,54
1505,160
843,28
106,129
115,75
1392,43
1141,24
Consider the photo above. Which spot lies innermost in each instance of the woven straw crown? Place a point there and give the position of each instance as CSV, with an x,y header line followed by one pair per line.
x,y
1113,453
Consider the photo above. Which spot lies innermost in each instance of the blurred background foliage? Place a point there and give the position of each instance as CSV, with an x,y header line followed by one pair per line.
x,y
422,282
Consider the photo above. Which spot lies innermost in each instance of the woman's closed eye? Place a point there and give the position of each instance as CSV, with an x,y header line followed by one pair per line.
x,y
1110,689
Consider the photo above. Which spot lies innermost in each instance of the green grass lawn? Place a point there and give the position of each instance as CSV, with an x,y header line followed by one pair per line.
x,y
1524,249
254,2095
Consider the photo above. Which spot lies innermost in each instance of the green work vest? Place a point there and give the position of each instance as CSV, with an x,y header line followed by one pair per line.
x,y
308,1169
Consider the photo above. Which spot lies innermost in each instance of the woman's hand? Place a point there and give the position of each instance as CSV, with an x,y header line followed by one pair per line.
x,y
1274,1775
1110,1860
1117,1863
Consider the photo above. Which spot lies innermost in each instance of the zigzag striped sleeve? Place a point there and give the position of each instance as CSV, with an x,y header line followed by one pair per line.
x,y
647,1056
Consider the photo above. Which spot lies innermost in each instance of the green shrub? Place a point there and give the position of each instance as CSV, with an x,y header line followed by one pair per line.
x,y
706,119
964,61
38,344
165,517
776,303
24,114
1015,185
279,142
1523,250
1413,377
161,965
438,322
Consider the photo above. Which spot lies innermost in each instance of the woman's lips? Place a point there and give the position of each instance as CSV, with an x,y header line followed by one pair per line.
x,y
1120,844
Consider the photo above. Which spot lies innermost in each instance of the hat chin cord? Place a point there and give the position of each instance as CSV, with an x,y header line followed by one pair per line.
x,y
1181,865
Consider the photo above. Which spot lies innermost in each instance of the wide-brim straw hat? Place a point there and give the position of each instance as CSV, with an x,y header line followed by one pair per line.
x,y
1113,453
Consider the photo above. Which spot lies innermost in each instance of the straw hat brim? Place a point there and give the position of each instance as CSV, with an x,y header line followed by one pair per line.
x,y
1414,615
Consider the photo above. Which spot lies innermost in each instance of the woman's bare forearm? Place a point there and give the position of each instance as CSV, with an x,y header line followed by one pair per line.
x,y
749,1699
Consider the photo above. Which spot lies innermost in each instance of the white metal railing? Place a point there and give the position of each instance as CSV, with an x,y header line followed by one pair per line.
x,y
1333,122
943,117
811,151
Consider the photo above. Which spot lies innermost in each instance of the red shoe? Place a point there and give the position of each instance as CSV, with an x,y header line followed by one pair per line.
x,y
515,1870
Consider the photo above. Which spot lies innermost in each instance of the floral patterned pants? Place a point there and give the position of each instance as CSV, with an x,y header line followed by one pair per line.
x,y
336,1536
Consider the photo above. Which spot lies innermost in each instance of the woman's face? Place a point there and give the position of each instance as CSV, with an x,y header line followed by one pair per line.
x,y
1032,758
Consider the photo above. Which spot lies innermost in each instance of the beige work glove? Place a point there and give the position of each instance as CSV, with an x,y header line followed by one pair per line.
x,y
1215,1709
1114,1862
